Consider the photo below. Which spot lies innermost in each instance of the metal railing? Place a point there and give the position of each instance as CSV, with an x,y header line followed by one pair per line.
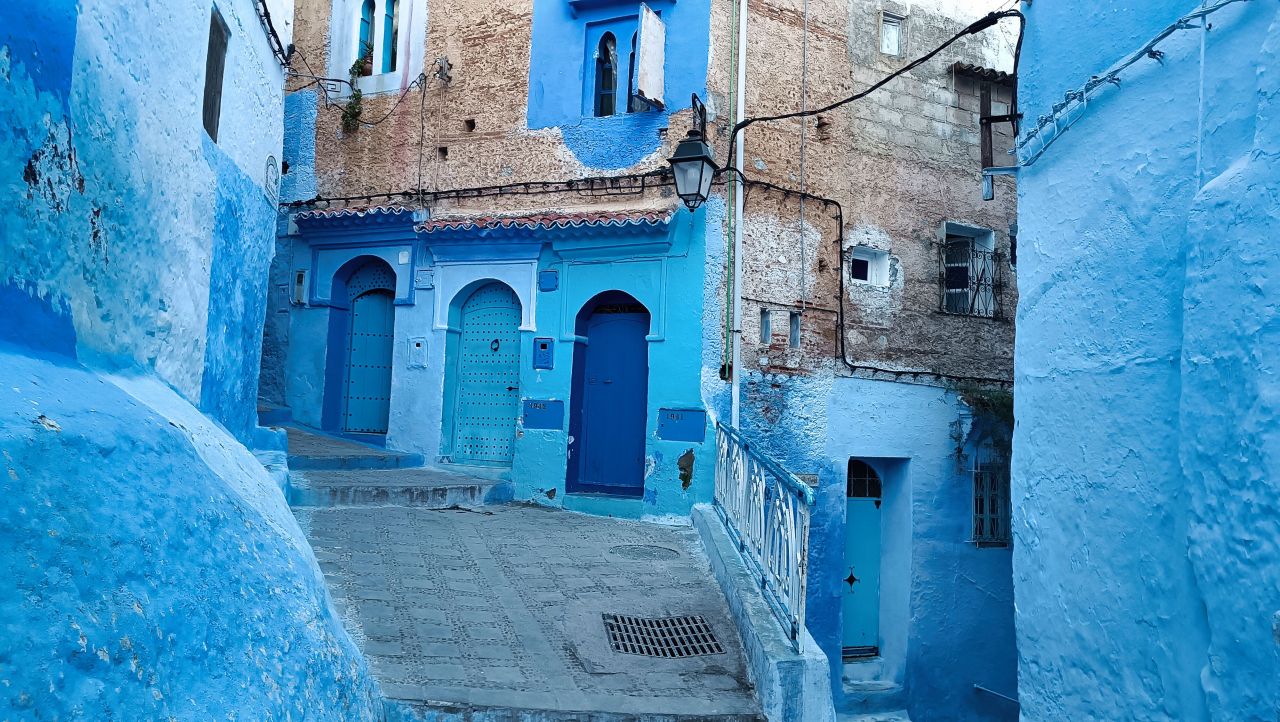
x,y
972,280
766,511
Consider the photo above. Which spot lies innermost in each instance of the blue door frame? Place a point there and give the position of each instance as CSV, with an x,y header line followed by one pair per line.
x,y
610,402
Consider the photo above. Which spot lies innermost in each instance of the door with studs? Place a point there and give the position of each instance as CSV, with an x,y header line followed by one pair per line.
x,y
487,395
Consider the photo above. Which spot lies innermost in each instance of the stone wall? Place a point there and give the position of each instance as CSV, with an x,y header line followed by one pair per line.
x,y
1144,461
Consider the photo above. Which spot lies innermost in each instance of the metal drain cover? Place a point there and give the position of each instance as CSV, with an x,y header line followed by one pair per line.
x,y
667,637
643,551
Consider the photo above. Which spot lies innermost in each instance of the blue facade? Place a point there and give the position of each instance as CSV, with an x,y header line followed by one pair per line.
x,y
566,36
610,321
152,567
1145,461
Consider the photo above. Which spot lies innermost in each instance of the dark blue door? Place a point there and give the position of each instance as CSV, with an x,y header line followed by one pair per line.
x,y
614,399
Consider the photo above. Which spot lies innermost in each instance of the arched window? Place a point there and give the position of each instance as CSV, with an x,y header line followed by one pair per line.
x,y
390,34
606,76
365,49
863,482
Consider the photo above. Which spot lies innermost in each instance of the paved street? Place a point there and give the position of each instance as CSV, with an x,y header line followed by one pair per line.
x,y
502,607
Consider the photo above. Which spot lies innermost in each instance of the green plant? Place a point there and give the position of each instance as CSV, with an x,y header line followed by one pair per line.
x,y
355,104
992,408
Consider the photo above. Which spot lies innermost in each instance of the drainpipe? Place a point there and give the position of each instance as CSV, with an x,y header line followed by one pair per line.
x,y
740,112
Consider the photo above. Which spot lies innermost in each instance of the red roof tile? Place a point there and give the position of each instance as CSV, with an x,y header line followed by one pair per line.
x,y
546,220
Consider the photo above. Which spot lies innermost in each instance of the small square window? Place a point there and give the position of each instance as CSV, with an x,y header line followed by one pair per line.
x,y
891,33
869,266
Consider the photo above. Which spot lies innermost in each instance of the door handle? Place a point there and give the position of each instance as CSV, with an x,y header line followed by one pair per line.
x,y
512,388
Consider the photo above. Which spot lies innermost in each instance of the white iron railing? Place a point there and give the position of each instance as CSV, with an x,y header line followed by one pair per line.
x,y
766,510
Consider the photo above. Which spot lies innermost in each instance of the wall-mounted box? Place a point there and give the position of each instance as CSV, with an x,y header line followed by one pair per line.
x,y
548,280
682,425
299,286
418,352
424,278
543,414
544,353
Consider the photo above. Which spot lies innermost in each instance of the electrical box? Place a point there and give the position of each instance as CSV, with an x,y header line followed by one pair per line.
x,y
424,278
544,352
543,414
548,280
418,352
682,425
299,287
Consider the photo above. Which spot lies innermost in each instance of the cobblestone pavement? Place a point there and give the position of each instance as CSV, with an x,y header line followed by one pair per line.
x,y
307,443
502,607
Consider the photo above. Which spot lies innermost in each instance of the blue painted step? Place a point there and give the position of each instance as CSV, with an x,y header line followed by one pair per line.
x,y
310,449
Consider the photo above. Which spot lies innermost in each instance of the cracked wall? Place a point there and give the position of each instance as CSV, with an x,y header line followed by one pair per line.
x,y
1145,458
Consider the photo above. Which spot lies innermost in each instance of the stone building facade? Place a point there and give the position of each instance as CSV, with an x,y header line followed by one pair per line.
x,y
481,163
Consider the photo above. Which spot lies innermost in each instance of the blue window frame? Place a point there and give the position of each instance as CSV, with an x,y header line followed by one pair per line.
x,y
366,35
390,34
606,76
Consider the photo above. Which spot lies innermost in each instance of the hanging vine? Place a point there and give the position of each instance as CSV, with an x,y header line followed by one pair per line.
x,y
355,104
992,410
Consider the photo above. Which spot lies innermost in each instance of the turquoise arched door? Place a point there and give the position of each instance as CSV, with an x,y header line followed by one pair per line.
x,y
370,339
487,377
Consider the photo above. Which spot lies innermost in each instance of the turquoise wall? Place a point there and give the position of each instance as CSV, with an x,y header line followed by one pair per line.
x,y
1146,564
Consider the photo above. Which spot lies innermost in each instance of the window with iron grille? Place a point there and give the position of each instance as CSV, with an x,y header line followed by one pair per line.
x,y
972,276
990,498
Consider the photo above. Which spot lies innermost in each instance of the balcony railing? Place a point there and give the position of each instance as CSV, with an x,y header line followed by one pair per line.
x,y
766,510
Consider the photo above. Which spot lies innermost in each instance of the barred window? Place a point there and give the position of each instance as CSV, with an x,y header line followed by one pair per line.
x,y
990,498
971,276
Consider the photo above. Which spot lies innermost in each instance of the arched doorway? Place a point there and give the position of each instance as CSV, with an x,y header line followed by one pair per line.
x,y
609,397
861,599
370,337
486,377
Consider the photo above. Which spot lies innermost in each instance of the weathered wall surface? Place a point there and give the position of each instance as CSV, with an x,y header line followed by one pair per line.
x,y
1145,459
153,568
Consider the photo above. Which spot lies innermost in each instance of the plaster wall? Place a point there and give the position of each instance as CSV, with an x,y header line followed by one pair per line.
x,y
153,568
1144,461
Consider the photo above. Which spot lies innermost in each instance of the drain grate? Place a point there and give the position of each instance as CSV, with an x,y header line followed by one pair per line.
x,y
667,637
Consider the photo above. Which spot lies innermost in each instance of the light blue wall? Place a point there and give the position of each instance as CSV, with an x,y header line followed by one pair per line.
x,y
946,605
152,567
1147,566
560,65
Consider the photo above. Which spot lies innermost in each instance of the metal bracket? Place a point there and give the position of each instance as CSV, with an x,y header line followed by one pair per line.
x,y
988,185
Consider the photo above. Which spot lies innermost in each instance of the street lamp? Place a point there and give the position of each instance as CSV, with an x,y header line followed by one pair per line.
x,y
694,163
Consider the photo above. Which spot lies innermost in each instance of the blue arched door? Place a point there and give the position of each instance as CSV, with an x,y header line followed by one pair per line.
x,y
487,377
370,339
611,388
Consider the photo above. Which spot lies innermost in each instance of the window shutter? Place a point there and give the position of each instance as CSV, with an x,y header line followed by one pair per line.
x,y
651,53
215,61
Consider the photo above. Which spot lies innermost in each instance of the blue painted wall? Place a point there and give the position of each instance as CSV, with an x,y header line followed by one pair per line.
x,y
560,67
153,569
1146,564
946,606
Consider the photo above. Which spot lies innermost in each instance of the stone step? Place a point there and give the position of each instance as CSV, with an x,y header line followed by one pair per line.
x,y
895,716
872,696
429,487
310,449
863,669
619,708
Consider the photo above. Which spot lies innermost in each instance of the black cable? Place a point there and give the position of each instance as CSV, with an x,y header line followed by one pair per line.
x,y
977,26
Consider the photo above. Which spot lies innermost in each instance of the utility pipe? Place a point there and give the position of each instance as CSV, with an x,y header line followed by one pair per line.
x,y
741,112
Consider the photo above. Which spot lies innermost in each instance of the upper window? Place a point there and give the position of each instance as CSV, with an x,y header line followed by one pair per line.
x,y
390,34
364,50
891,33
214,64
606,88
972,278
991,508
863,481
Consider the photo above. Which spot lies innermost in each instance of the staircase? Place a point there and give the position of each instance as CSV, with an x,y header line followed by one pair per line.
x,y
869,696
